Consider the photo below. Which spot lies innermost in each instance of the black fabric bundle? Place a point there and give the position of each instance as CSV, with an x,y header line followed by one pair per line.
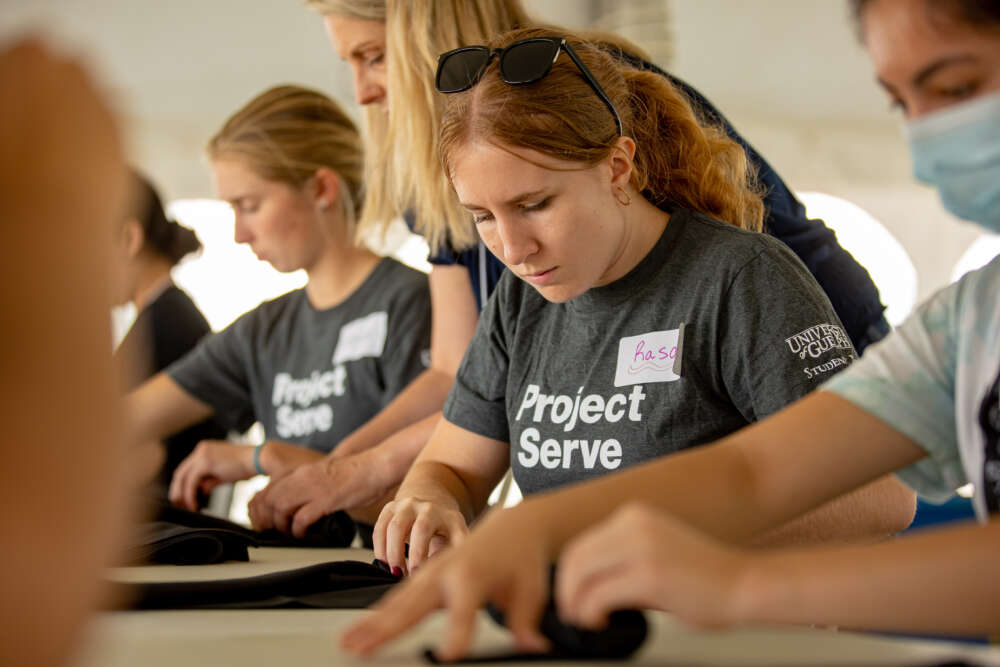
x,y
180,537
343,584
335,530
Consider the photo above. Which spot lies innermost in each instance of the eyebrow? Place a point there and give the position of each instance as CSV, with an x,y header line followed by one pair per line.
x,y
360,49
935,67
510,202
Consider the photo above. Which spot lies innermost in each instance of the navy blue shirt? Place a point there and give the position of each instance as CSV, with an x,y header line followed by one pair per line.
x,y
847,284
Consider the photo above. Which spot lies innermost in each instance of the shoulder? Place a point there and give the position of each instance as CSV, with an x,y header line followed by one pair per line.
x,y
715,236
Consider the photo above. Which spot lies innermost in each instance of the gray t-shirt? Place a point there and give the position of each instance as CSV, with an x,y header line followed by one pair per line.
x,y
313,376
714,329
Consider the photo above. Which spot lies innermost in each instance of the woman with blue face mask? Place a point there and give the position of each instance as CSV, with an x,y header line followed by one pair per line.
x,y
675,534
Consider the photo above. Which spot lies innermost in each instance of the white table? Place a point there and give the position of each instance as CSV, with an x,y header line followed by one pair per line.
x,y
308,637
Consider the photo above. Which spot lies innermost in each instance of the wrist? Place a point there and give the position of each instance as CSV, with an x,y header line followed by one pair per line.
x,y
755,583
257,465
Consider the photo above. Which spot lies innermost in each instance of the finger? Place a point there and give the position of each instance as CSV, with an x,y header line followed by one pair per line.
x,y
397,535
378,530
423,530
175,494
524,611
594,551
304,517
281,514
463,603
613,589
192,479
401,609
259,509
437,545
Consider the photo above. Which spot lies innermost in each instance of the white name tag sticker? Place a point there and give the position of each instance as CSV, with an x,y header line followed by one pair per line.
x,y
650,357
364,337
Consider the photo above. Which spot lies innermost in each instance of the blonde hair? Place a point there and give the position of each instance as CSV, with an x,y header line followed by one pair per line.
x,y
362,10
287,133
402,168
679,161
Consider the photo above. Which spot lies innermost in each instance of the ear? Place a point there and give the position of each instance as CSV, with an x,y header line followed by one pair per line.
x,y
620,161
325,188
132,237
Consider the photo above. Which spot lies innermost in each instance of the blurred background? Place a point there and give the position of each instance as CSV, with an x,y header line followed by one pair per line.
x,y
789,74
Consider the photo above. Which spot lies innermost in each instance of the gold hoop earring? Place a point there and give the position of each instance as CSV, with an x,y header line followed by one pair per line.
x,y
627,198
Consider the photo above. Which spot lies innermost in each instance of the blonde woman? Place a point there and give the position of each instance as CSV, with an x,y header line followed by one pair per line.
x,y
316,363
392,48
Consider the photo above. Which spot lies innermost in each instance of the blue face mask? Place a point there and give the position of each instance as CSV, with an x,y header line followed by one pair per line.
x,y
957,150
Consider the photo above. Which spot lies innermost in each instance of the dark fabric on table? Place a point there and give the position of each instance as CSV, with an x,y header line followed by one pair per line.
x,y
331,531
167,543
336,585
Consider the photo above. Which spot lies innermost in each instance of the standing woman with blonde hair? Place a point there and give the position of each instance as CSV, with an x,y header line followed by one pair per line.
x,y
318,362
393,47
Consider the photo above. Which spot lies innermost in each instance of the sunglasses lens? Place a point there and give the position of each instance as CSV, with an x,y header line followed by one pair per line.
x,y
527,62
461,70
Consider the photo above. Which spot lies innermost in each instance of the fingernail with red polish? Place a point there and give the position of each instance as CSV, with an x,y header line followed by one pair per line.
x,y
398,571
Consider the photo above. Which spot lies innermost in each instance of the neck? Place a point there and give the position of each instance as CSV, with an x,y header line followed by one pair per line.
x,y
338,273
149,282
645,224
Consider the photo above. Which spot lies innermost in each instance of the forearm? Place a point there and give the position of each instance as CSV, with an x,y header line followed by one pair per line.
x,y
936,582
747,483
873,512
421,398
279,458
393,458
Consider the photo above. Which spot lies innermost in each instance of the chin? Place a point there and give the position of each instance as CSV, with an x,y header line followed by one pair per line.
x,y
558,293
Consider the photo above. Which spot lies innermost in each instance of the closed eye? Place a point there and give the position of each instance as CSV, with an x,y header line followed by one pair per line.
x,y
530,208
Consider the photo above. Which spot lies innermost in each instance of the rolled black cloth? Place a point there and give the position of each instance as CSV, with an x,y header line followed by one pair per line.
x,y
344,584
335,530
168,543
624,634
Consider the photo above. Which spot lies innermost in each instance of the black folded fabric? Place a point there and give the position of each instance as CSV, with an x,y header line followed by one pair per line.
x,y
344,584
624,634
167,543
335,530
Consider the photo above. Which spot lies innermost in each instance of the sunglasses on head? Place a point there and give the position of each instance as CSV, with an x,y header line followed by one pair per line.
x,y
526,61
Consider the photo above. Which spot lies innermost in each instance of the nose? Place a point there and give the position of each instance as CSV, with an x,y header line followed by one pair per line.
x,y
516,242
241,232
367,90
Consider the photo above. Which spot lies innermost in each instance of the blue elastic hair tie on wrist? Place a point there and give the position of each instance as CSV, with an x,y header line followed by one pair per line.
x,y
256,459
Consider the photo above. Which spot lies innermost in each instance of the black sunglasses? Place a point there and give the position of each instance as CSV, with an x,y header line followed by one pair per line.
x,y
526,61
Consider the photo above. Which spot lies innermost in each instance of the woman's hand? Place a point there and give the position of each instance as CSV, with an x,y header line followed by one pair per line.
x,y
425,526
212,462
505,560
642,558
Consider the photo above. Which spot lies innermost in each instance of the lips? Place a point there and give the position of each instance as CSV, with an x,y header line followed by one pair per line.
x,y
539,277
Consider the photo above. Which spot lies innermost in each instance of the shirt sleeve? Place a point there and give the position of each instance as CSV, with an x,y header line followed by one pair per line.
x,y
477,400
780,337
216,372
908,381
407,348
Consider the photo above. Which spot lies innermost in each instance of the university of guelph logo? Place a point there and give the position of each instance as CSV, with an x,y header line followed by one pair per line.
x,y
818,339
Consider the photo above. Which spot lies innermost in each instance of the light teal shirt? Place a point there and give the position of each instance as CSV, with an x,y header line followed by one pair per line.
x,y
928,379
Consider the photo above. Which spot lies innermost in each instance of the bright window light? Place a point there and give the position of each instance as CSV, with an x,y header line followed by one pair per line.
x,y
873,246
980,253
226,279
